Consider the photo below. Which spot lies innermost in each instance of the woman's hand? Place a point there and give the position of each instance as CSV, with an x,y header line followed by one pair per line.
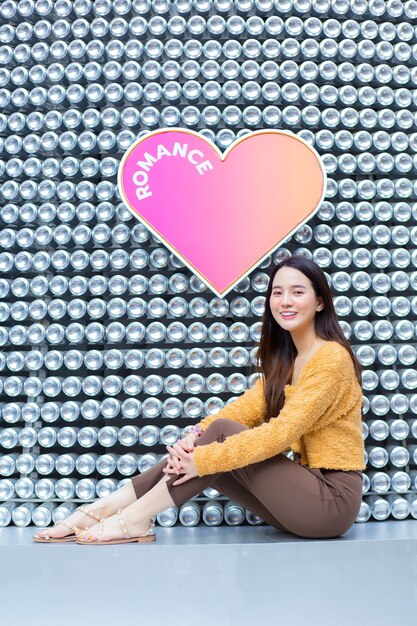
x,y
186,444
180,462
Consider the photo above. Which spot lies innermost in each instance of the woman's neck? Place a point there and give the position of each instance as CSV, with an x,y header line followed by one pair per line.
x,y
303,344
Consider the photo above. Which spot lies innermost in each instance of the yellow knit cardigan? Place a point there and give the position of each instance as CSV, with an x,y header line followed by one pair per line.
x,y
320,419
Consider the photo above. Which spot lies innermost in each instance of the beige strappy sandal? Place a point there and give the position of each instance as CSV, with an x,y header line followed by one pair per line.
x,y
67,538
145,538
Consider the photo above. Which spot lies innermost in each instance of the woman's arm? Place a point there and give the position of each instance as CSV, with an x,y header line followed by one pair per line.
x,y
248,409
323,387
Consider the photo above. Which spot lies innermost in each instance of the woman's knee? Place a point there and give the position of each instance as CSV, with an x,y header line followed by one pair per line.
x,y
219,429
225,425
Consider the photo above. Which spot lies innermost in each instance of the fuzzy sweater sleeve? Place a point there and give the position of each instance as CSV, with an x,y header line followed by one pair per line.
x,y
248,409
323,385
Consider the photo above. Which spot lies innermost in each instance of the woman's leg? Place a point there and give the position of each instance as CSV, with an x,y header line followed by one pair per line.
x,y
304,501
226,484
154,491
141,483
229,486
299,500
104,507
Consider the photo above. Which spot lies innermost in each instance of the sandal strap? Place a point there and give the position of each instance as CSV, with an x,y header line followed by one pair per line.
x,y
86,512
70,526
90,513
150,529
122,523
65,523
124,527
100,530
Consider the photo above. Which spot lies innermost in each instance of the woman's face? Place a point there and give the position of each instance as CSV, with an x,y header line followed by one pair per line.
x,y
292,292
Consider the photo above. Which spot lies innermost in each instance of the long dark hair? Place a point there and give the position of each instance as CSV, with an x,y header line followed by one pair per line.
x,y
276,351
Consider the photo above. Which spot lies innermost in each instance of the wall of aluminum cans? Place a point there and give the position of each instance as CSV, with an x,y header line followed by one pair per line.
x,y
110,347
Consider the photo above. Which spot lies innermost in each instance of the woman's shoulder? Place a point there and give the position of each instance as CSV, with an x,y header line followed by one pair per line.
x,y
332,352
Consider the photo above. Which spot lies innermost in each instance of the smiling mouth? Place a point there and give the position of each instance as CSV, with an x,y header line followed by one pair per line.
x,y
287,316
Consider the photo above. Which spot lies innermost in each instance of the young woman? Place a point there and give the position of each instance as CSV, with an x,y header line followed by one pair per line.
x,y
308,399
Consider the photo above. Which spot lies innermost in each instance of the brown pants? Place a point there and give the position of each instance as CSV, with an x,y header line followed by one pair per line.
x,y
313,503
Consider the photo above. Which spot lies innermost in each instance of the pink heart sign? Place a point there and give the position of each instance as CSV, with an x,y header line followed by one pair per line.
x,y
222,213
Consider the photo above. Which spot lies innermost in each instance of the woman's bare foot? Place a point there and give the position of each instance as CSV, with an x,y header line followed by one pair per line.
x,y
102,507
112,528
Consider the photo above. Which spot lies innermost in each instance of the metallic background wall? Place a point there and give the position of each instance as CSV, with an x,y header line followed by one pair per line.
x,y
110,347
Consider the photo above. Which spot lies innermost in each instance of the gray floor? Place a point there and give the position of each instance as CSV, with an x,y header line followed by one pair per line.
x,y
223,576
